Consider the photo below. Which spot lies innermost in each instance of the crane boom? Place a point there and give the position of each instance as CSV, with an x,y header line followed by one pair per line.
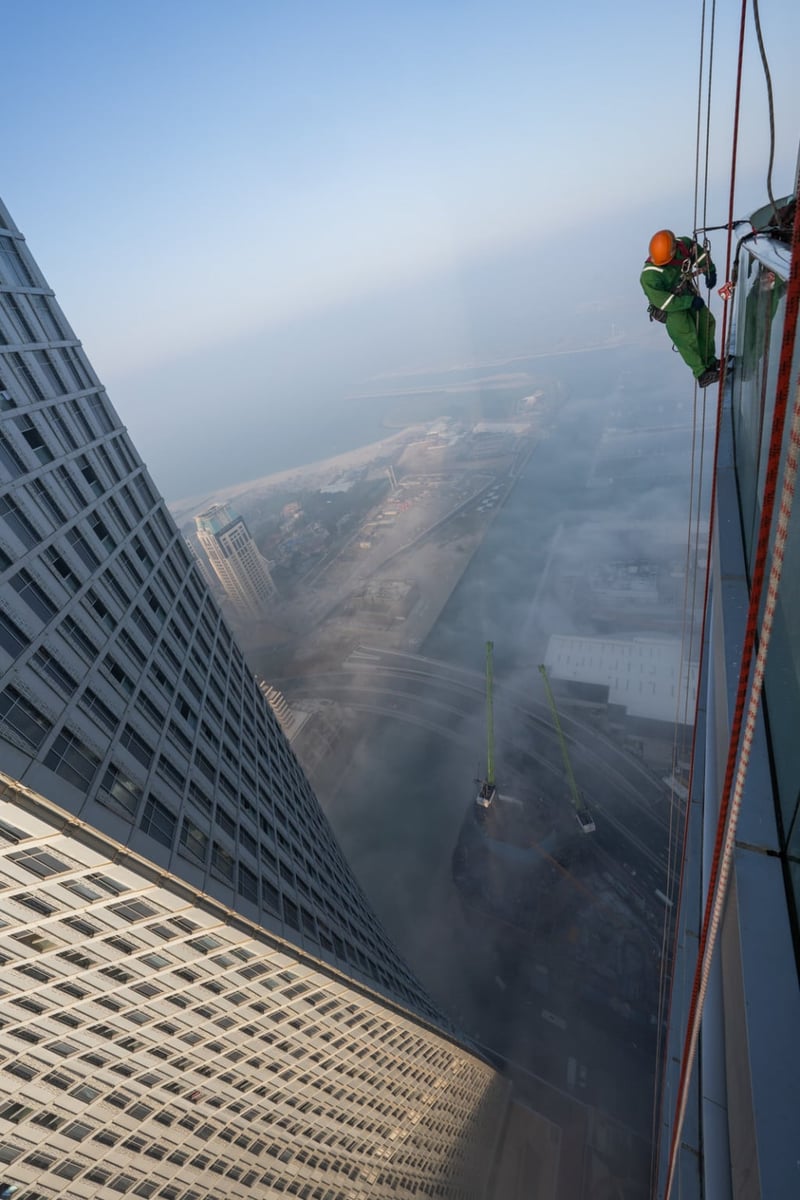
x,y
489,715
581,811
488,789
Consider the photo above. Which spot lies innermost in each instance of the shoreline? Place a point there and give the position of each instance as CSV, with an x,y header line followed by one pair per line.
x,y
186,507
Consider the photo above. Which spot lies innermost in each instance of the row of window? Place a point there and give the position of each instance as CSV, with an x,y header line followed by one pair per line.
x,y
77,763
73,761
14,640
43,863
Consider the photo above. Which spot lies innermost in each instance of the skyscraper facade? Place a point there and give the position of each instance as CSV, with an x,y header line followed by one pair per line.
x,y
197,1000
728,1123
234,557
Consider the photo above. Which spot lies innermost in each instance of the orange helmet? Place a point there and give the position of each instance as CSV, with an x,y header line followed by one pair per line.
x,y
662,247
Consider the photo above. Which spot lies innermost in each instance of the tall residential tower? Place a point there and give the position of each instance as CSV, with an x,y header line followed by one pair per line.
x,y
197,1001
236,561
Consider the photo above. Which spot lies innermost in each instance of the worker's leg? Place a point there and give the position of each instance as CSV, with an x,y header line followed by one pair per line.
x,y
706,331
682,327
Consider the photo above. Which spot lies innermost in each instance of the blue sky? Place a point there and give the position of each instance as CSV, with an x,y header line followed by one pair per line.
x,y
197,179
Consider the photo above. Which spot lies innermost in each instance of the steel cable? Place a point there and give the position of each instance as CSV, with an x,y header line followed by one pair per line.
x,y
768,79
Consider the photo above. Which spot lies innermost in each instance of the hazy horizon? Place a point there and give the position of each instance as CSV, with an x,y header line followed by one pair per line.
x,y
301,199
293,392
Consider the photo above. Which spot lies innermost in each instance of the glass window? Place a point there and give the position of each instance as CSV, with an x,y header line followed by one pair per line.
x,y
150,710
116,673
82,548
34,438
248,884
98,410
133,910
40,862
131,647
48,1120
68,1169
14,1112
78,1130
119,791
225,821
69,485
18,523
100,530
124,1183
52,669
170,773
12,639
193,841
10,459
41,1160
98,709
135,744
76,412
73,761
18,715
158,822
34,595
47,502
80,641
13,269
99,612
61,569
222,862
116,589
198,797
28,377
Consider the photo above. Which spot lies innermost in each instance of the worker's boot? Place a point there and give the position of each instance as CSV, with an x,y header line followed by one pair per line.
x,y
709,376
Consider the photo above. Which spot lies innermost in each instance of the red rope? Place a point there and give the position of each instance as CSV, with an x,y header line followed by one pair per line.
x,y
756,592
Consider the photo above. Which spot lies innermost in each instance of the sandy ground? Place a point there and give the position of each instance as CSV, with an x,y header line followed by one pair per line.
x,y
321,472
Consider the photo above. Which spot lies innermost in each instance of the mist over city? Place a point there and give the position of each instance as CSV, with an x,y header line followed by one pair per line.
x,y
404,511
534,504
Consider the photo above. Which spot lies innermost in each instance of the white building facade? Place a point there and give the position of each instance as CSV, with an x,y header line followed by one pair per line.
x,y
234,556
197,1001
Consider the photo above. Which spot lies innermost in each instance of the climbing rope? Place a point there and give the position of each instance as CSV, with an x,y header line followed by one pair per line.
x,y
678,896
677,830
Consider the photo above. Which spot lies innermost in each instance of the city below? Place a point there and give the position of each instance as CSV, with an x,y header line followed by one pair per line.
x,y
341,810
388,567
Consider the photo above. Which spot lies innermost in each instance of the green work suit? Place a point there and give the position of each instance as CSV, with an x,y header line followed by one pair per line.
x,y
692,332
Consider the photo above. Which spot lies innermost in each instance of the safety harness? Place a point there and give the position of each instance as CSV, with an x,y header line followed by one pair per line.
x,y
691,267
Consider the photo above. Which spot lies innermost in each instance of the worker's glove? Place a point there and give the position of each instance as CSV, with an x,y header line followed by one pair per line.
x,y
697,303
657,314
711,278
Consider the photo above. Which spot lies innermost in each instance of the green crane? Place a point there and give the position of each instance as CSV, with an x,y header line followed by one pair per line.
x,y
582,813
488,792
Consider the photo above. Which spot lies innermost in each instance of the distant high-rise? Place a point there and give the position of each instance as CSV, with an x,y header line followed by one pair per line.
x,y
197,998
233,554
